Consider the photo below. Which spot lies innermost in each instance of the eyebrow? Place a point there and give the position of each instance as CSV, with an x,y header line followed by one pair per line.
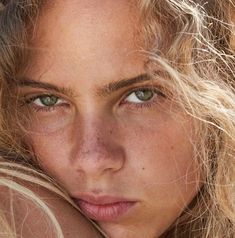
x,y
102,91
27,82
117,85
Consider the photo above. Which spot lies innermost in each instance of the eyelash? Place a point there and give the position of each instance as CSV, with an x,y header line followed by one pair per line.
x,y
30,101
148,104
145,104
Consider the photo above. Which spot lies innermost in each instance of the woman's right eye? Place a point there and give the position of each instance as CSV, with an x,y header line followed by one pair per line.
x,y
47,112
46,102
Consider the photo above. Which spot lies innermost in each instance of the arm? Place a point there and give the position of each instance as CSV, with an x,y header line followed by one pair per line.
x,y
31,221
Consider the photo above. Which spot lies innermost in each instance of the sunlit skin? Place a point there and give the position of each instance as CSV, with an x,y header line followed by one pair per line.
x,y
31,220
96,136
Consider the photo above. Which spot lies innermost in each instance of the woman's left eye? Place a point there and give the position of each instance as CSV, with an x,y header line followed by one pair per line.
x,y
141,96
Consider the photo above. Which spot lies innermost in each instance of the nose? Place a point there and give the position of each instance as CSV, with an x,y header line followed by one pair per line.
x,y
99,151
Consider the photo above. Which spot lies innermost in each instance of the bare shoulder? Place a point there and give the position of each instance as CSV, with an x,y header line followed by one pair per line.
x,y
33,216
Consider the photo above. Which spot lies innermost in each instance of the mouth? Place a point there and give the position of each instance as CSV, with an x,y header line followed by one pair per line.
x,y
104,208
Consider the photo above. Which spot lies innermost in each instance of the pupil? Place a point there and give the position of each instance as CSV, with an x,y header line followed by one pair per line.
x,y
49,100
144,95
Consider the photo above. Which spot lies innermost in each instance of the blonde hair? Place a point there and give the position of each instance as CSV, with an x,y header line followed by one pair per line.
x,y
199,59
190,47
11,174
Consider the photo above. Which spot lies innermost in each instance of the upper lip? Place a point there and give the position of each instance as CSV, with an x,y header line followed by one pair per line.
x,y
101,200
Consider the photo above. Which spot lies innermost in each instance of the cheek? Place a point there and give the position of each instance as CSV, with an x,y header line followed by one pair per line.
x,y
47,123
53,150
161,156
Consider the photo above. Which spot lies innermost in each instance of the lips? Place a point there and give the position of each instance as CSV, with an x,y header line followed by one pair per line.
x,y
104,208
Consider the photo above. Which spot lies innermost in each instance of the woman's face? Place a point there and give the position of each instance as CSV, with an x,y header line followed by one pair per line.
x,y
100,125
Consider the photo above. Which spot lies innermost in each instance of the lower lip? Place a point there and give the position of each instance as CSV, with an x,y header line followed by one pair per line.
x,y
105,212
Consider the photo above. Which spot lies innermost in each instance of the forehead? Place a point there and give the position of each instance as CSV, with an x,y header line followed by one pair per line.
x,y
115,19
87,36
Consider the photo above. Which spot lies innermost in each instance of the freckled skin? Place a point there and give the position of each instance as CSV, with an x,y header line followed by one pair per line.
x,y
97,145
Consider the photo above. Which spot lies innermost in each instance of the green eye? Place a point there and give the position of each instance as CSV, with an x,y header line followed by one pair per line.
x,y
47,100
144,94
141,95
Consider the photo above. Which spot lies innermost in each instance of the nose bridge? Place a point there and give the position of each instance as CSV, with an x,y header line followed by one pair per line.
x,y
99,151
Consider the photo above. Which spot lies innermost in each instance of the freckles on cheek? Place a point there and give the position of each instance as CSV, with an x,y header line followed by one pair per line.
x,y
163,146
182,173
52,149
50,124
178,156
